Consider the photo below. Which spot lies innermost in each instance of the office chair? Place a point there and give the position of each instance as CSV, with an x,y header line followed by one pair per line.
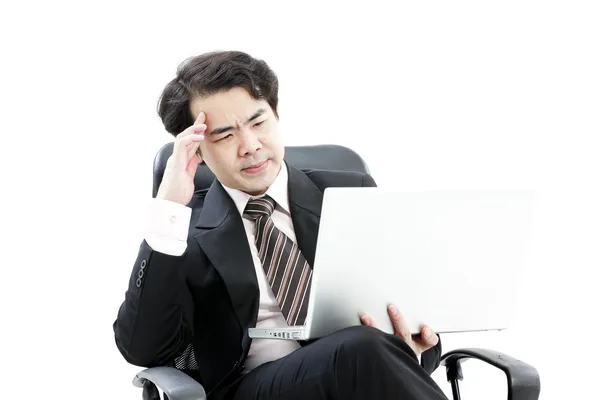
x,y
522,379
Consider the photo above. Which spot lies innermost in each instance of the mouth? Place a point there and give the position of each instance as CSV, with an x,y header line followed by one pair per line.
x,y
256,168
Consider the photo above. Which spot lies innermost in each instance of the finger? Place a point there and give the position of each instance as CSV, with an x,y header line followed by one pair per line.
x,y
201,118
190,142
400,326
193,149
427,339
199,128
367,320
186,144
193,164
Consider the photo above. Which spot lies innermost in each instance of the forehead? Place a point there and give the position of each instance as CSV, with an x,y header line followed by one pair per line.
x,y
226,106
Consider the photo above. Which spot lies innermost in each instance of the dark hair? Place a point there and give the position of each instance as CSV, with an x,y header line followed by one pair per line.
x,y
208,74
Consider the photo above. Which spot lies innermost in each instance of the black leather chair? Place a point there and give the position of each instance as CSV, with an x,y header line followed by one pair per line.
x,y
522,379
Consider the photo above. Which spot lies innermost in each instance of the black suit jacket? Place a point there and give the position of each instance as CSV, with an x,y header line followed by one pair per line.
x,y
209,296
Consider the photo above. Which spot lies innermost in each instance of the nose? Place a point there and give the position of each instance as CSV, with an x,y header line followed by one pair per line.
x,y
249,143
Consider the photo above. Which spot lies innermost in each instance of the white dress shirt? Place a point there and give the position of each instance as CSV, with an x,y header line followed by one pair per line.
x,y
167,230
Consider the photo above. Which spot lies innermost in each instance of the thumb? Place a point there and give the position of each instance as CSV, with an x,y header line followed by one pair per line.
x,y
367,320
427,339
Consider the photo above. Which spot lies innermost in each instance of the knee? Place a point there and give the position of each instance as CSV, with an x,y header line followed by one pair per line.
x,y
371,346
359,358
359,342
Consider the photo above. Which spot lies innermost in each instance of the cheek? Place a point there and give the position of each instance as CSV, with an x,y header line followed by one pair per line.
x,y
274,141
270,136
221,155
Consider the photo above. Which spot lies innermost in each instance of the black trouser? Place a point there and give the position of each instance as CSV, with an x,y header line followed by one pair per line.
x,y
355,363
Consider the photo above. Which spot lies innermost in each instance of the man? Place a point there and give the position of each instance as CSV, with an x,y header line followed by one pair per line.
x,y
216,263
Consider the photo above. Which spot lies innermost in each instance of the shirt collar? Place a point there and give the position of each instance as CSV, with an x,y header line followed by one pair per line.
x,y
278,192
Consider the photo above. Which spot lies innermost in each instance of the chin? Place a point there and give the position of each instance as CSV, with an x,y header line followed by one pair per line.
x,y
259,185
257,188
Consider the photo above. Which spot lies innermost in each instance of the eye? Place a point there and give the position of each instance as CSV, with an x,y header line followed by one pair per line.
x,y
224,137
259,123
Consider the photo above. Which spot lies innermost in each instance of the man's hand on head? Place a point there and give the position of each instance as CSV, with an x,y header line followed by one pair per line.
x,y
419,343
178,180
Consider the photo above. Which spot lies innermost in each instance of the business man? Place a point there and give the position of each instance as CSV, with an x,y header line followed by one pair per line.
x,y
215,263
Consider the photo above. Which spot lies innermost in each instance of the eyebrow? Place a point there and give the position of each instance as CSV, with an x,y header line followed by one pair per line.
x,y
224,129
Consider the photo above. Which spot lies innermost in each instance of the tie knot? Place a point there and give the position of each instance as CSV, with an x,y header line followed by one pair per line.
x,y
259,207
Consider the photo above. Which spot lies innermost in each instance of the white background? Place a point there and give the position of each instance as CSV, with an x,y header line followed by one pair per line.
x,y
434,95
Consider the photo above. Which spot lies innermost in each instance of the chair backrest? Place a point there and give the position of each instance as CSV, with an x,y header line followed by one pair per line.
x,y
328,157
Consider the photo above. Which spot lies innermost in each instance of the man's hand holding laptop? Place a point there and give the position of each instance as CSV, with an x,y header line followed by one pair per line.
x,y
419,343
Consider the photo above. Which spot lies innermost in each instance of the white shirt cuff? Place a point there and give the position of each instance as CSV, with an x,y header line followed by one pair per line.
x,y
167,225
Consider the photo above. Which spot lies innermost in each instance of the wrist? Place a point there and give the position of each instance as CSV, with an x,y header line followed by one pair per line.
x,y
164,195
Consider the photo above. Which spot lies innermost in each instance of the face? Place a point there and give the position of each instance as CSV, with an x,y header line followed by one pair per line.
x,y
242,145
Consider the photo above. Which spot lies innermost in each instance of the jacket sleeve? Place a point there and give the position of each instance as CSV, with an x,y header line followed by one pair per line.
x,y
431,358
155,321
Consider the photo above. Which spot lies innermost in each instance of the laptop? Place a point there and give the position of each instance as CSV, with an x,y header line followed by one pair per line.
x,y
448,259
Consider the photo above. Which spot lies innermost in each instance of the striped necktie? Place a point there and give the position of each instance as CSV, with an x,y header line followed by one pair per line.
x,y
286,269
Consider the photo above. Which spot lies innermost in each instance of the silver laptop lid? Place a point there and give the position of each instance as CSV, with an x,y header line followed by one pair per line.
x,y
450,259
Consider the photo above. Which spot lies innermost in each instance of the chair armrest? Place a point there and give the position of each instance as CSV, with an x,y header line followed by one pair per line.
x,y
174,383
523,379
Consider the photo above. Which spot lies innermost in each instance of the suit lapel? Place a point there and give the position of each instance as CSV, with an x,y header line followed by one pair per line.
x,y
305,200
223,239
